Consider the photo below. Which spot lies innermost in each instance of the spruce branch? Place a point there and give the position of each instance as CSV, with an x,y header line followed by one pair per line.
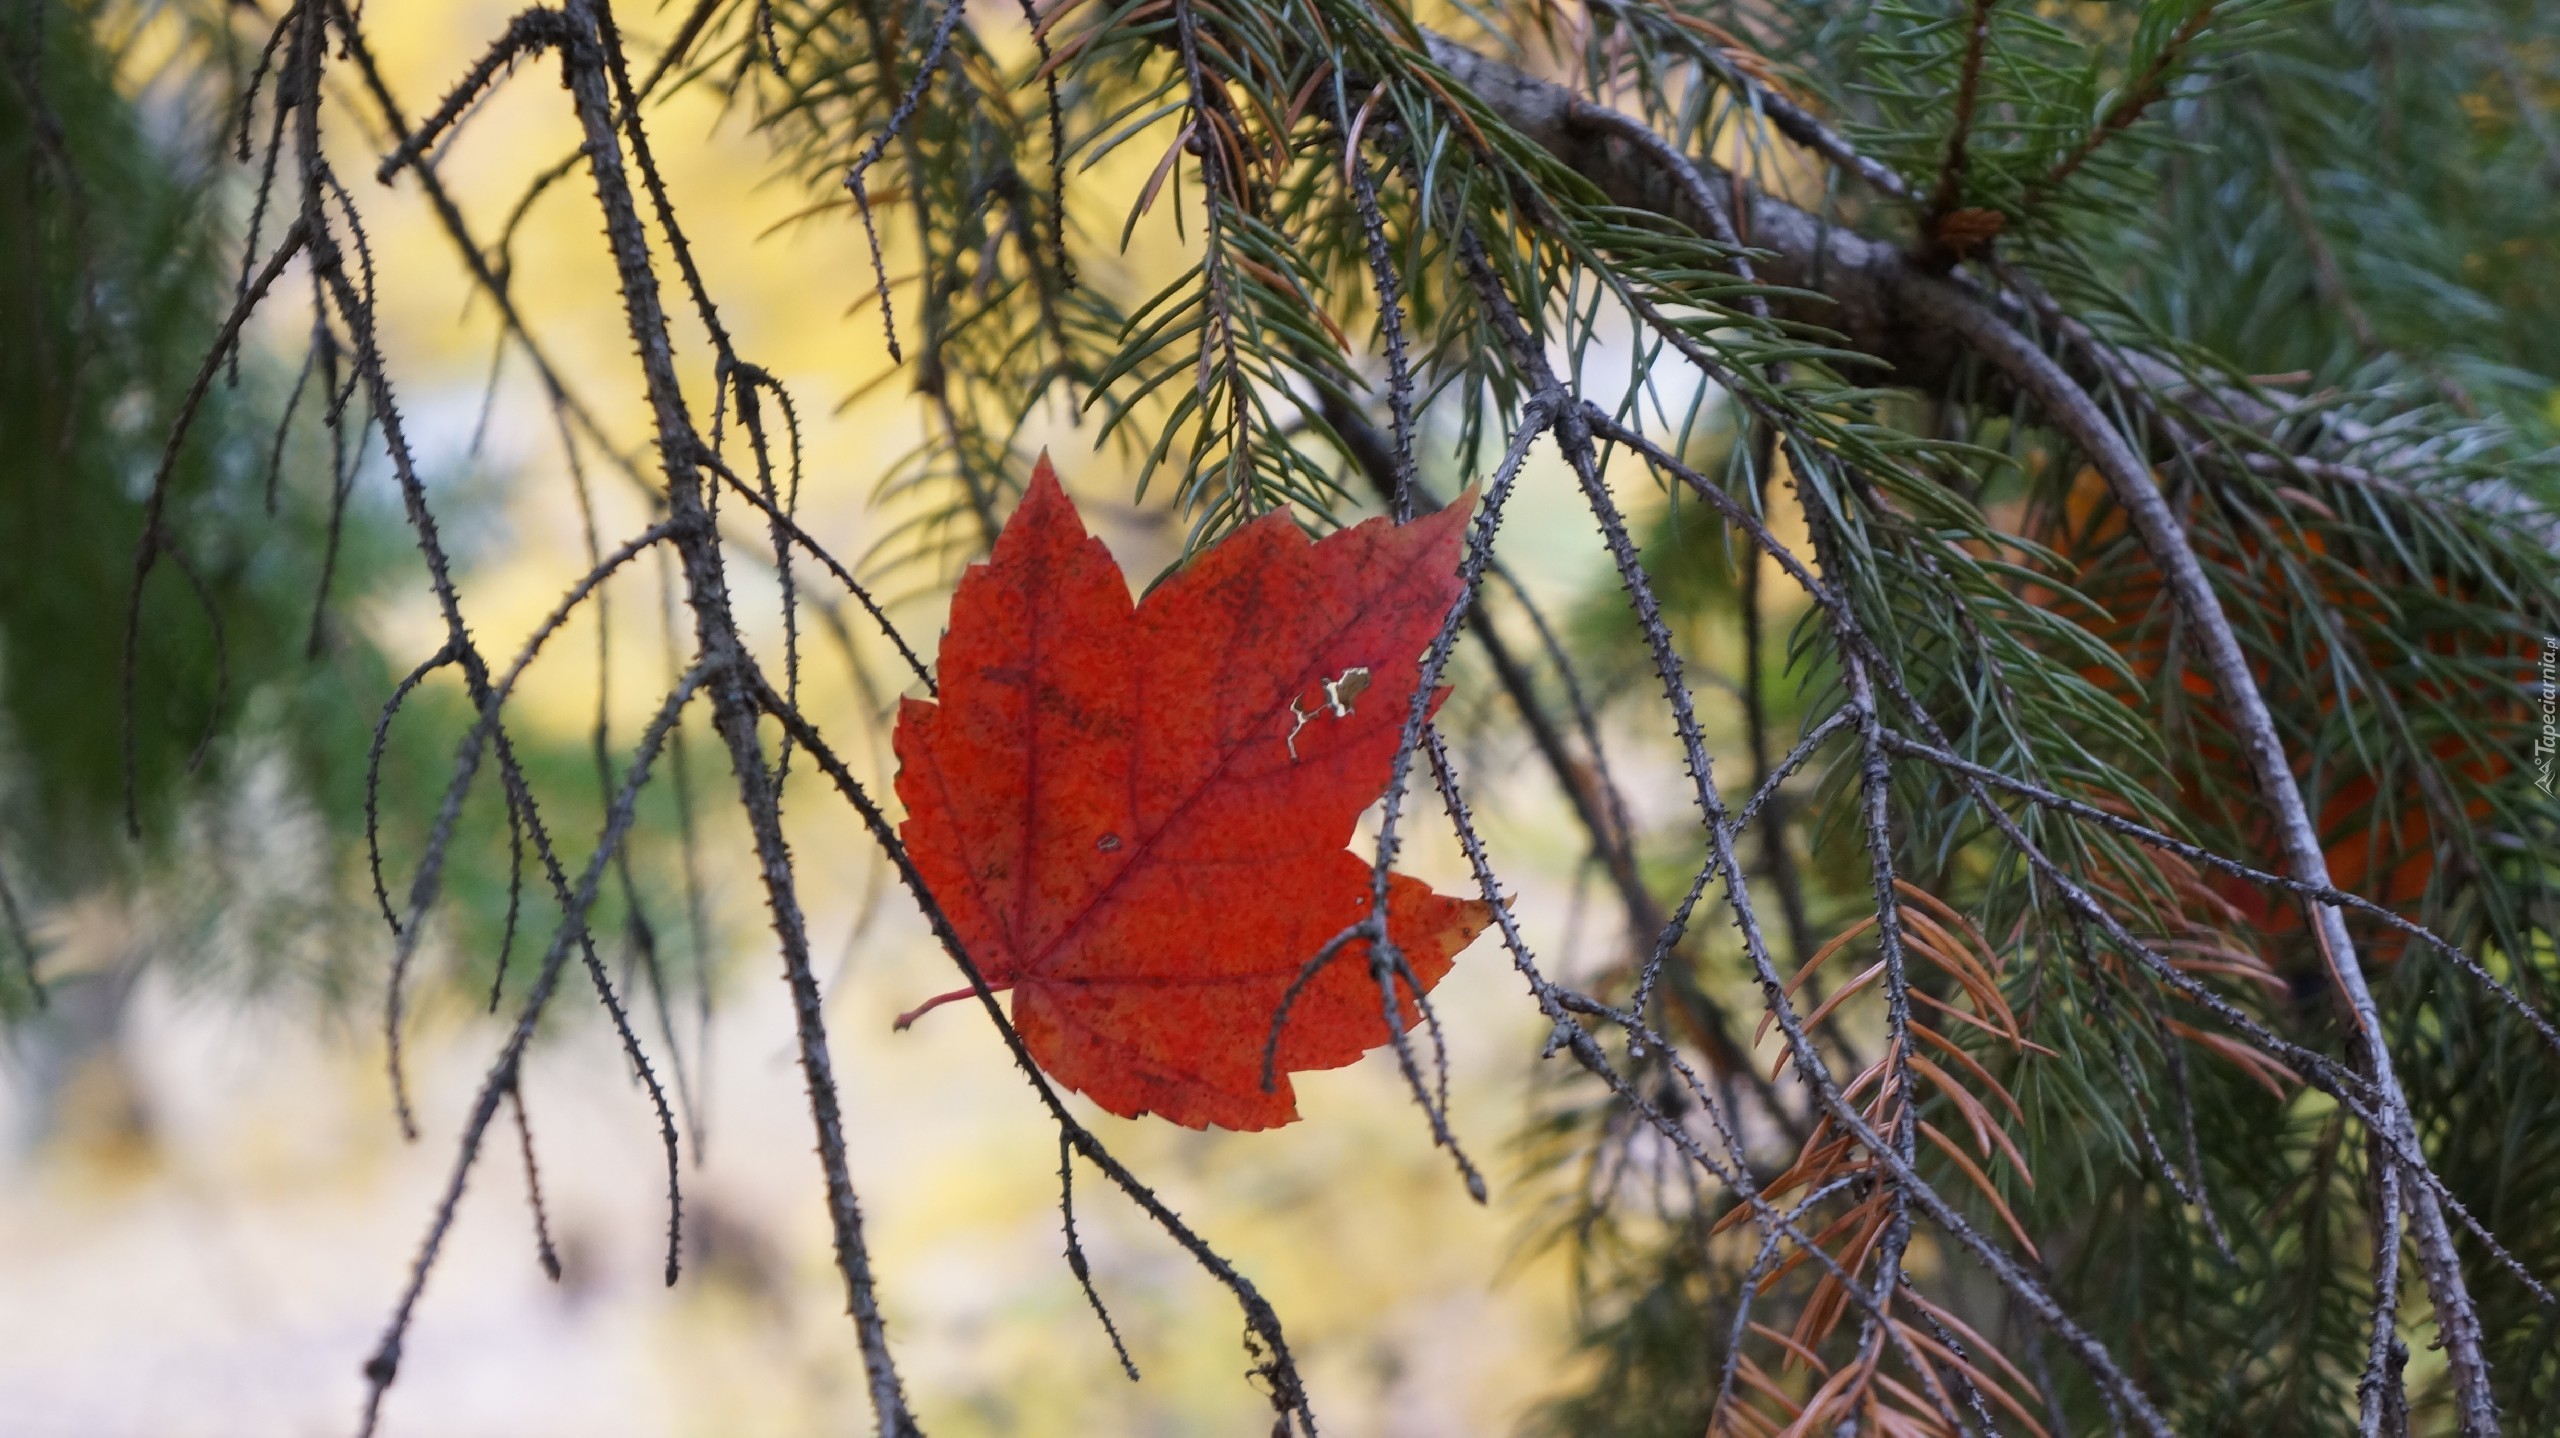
x,y
2245,708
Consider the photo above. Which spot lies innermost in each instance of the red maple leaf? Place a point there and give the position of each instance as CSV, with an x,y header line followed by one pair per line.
x,y
1136,815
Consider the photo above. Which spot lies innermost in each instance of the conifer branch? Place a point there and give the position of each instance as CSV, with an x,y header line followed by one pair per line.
x,y
2245,709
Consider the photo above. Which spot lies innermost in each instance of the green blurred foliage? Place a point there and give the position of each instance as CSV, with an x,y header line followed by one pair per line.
x,y
117,270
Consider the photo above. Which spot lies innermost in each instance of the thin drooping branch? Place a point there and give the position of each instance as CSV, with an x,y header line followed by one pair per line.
x,y
300,37
1775,854
1560,1005
731,678
1288,1392
1076,1263
1944,196
2318,1069
2042,797
2134,101
2379,1398
158,542
893,129
544,1253
501,1080
788,529
1594,798
2356,1093
1388,966
1892,1156
13,925
529,32
488,731
489,280
424,884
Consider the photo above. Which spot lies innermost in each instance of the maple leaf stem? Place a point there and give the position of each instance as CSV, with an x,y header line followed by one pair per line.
x,y
937,1001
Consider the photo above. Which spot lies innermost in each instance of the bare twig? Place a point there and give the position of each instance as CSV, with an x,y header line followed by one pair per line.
x,y
1951,170
157,542
14,921
730,673
1288,1391
2138,97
